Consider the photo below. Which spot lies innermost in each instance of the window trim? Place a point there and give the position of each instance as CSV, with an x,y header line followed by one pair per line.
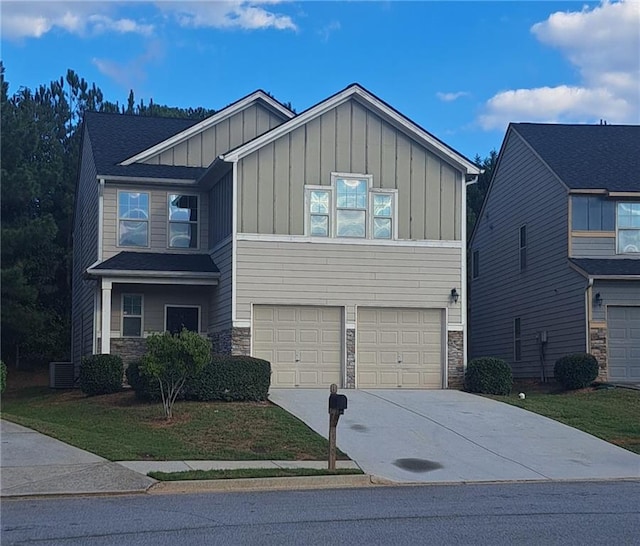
x,y
517,339
475,264
183,306
119,219
122,315
394,216
307,210
368,178
522,249
618,229
197,222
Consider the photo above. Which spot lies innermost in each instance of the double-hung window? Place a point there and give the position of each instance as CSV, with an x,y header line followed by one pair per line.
x,y
628,216
183,221
131,315
133,219
350,208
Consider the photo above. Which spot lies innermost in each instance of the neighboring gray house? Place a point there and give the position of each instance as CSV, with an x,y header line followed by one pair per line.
x,y
555,254
330,243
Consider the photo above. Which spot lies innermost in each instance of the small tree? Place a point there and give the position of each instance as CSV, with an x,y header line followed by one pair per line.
x,y
171,359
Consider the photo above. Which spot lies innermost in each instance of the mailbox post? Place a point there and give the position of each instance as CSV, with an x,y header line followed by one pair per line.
x,y
337,405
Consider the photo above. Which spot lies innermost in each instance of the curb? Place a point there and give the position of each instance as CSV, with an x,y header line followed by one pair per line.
x,y
267,484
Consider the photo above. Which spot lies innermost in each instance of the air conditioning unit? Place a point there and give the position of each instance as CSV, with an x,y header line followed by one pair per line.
x,y
61,375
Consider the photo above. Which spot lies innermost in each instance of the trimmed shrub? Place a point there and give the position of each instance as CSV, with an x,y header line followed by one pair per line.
x,y
3,376
101,374
488,376
146,388
231,378
576,371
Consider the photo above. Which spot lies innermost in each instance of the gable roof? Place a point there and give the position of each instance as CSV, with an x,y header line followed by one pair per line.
x,y
588,157
115,137
186,133
370,101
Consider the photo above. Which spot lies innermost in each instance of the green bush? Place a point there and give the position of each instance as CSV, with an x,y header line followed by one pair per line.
x,y
576,371
3,376
489,376
231,378
101,374
146,388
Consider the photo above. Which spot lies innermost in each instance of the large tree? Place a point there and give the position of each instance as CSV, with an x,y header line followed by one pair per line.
x,y
478,191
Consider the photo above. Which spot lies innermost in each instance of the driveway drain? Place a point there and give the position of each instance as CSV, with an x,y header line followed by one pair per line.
x,y
417,465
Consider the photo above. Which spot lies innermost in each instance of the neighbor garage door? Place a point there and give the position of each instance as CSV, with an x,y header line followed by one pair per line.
x,y
303,344
399,348
623,326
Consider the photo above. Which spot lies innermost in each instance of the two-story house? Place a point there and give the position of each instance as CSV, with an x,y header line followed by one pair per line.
x,y
331,243
555,254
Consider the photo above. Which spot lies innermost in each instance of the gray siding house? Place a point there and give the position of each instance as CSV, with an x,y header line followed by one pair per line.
x,y
330,243
555,254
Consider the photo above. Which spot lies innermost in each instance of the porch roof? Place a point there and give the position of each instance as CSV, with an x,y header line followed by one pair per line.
x,y
157,262
613,267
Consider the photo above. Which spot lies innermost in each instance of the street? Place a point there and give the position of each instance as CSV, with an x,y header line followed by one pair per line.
x,y
520,513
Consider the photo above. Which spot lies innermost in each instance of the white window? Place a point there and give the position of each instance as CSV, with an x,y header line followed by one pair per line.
x,y
628,223
183,221
350,208
133,219
131,315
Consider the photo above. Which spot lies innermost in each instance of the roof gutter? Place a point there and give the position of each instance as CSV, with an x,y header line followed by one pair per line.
x,y
91,272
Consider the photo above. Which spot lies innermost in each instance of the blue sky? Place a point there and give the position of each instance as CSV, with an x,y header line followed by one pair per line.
x,y
461,70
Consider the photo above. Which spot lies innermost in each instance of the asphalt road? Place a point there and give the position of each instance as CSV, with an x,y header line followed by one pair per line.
x,y
522,513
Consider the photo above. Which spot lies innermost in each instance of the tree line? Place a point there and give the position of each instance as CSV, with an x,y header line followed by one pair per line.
x,y
39,160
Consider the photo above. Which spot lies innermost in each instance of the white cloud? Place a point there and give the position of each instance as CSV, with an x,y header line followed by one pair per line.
x,y
603,43
132,73
326,32
35,19
450,97
243,14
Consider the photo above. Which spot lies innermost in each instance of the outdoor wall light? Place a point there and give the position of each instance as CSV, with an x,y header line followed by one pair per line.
x,y
598,299
454,295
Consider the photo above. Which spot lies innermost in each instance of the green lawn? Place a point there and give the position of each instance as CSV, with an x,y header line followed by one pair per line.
x,y
118,427
610,414
250,473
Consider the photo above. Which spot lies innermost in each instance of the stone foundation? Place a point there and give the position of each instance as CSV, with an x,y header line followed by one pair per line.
x,y
129,349
234,341
351,359
598,348
455,360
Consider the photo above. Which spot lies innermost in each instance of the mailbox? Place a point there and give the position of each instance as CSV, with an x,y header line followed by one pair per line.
x,y
337,402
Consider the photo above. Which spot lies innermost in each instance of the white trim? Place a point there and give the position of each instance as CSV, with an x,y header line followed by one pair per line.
x,y
118,219
101,217
308,188
464,280
205,124
618,253
455,327
152,276
198,222
394,212
121,333
368,100
247,323
368,178
148,180
267,237
157,280
183,306
105,345
97,310
234,241
445,348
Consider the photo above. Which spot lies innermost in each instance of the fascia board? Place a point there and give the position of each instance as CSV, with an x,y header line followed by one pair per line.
x,y
209,122
146,180
150,274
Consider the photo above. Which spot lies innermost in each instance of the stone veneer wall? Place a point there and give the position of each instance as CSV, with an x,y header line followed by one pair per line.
x,y
234,341
598,348
129,349
455,360
351,359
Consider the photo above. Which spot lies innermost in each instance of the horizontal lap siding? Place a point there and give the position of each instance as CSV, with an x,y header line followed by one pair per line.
x,y
348,139
548,295
220,210
302,273
220,307
201,149
595,247
615,293
158,222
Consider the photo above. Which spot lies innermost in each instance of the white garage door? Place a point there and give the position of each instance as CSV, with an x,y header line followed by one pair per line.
x,y
303,344
399,348
623,326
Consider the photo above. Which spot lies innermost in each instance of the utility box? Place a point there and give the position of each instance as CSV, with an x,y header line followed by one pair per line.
x,y
61,375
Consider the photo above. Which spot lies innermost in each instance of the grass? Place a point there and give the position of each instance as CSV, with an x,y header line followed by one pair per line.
x,y
612,414
120,428
249,473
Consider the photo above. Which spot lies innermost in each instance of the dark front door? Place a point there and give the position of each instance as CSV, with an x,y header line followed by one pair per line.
x,y
182,317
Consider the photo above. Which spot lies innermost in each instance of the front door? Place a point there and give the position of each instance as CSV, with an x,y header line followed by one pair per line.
x,y
182,317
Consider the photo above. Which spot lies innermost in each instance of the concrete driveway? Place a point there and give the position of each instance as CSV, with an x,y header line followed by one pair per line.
x,y
452,436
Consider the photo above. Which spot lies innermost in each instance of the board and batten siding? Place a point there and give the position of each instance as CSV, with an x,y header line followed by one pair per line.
x,y
221,297
221,210
548,295
348,139
85,253
325,274
595,247
158,220
155,297
619,293
201,149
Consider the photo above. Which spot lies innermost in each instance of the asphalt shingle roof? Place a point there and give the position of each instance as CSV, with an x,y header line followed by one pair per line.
x,y
116,137
617,266
156,261
588,156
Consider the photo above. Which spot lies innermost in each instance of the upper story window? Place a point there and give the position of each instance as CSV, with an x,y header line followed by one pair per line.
x,y
183,221
350,208
592,213
523,247
628,227
475,264
131,315
133,219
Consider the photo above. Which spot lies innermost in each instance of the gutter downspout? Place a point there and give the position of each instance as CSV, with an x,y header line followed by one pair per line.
x,y
464,288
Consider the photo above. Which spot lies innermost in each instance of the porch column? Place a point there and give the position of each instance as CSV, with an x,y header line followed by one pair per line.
x,y
106,317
